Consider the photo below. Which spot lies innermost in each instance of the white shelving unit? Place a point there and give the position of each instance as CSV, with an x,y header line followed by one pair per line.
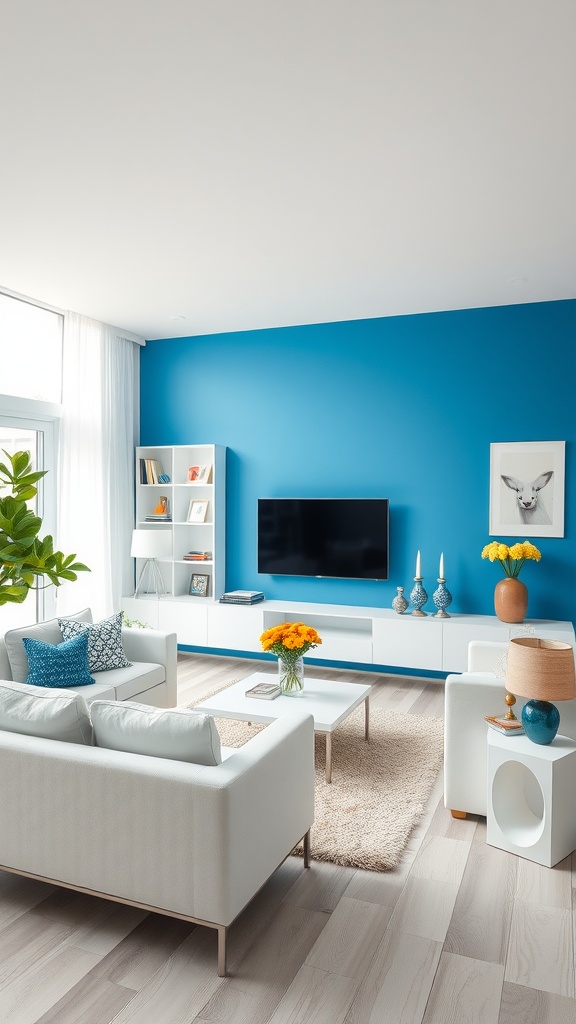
x,y
371,636
207,535
368,636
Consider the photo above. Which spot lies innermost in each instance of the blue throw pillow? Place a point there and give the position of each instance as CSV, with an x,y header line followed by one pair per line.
x,y
58,665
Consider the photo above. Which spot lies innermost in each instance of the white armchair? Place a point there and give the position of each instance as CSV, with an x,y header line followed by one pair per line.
x,y
469,697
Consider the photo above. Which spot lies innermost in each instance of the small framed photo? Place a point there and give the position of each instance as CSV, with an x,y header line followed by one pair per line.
x,y
197,511
527,489
204,474
199,474
199,585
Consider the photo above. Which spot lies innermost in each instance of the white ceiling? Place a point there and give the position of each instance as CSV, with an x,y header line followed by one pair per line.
x,y
256,163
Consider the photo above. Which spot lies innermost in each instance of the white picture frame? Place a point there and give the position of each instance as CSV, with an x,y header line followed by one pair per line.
x,y
527,489
197,512
200,474
204,474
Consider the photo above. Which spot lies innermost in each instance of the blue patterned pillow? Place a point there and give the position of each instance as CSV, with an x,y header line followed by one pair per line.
x,y
58,665
105,650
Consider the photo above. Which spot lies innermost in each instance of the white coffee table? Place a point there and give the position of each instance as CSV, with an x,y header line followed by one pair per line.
x,y
329,701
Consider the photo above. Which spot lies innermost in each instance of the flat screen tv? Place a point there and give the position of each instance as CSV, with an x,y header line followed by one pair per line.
x,y
345,538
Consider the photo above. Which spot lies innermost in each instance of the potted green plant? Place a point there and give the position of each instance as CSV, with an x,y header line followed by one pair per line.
x,y
27,561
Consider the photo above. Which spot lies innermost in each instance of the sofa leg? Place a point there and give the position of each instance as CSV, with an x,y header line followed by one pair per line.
x,y
221,929
307,849
458,814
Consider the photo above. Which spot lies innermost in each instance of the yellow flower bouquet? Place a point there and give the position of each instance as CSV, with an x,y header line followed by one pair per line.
x,y
289,642
511,558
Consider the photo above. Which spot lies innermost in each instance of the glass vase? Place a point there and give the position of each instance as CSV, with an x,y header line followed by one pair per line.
x,y
291,677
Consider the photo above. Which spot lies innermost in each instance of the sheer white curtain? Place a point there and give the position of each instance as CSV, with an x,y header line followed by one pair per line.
x,y
96,464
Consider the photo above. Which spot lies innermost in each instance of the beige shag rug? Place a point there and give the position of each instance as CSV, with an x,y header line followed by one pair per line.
x,y
364,817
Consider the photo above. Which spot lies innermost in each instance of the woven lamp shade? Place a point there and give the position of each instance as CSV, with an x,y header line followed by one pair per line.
x,y
540,669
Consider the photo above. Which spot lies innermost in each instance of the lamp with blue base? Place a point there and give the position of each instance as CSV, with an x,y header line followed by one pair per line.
x,y
542,671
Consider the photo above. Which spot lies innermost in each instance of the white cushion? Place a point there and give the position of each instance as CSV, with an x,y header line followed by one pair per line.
x,y
52,714
48,632
180,734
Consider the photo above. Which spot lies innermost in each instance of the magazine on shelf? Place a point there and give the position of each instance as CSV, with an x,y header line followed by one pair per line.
x,y
264,691
242,597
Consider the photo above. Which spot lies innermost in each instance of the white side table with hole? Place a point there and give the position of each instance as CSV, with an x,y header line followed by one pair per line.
x,y
532,797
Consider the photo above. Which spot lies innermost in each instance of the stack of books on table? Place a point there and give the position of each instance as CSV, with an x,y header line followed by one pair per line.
x,y
242,597
506,726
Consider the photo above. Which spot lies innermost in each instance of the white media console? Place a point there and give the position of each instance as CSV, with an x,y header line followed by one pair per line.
x,y
367,636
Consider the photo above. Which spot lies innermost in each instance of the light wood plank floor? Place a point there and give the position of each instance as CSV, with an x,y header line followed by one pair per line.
x,y
459,933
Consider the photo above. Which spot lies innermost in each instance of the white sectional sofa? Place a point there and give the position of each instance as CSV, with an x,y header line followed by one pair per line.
x,y
109,789
468,697
188,840
150,679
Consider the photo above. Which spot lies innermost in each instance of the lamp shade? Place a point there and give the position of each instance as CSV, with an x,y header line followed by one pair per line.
x,y
151,544
540,669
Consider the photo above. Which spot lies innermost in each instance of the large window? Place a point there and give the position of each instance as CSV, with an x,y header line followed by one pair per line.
x,y
38,439
31,386
30,350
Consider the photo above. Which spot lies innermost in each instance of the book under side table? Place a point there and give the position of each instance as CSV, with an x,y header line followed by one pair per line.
x,y
327,700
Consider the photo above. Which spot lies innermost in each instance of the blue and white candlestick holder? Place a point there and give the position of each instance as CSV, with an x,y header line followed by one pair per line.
x,y
442,599
418,596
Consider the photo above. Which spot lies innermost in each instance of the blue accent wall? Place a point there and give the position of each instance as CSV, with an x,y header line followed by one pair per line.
x,y
399,407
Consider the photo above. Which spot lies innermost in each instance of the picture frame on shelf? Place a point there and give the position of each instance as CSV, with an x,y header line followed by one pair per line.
x,y
197,512
199,474
199,585
527,489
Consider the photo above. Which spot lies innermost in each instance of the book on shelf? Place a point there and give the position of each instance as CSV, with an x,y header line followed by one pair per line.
x,y
197,556
264,691
242,597
164,518
506,726
150,471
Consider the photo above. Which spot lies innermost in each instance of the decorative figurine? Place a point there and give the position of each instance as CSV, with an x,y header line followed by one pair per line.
x,y
400,603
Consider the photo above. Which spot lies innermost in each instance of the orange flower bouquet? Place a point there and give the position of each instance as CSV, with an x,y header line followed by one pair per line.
x,y
290,642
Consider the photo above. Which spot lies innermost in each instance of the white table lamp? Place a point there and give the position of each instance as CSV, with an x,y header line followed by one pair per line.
x,y
150,545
